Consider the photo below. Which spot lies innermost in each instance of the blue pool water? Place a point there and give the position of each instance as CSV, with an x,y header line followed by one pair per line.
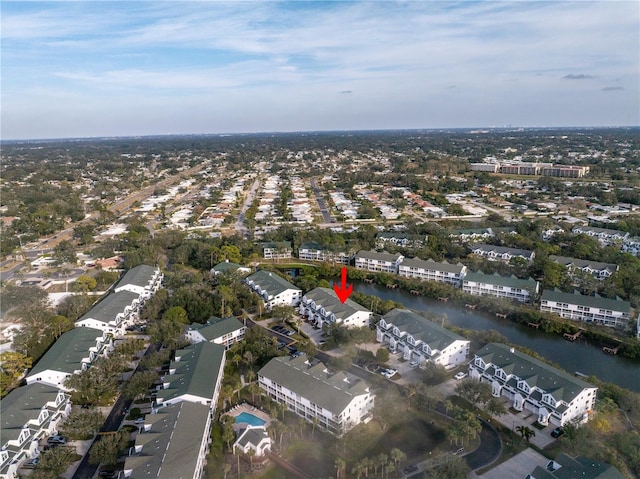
x,y
249,419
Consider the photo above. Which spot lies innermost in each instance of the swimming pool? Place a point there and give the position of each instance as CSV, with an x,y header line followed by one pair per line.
x,y
249,419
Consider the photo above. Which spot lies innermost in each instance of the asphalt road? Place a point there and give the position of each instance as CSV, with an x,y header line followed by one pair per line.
x,y
489,449
321,203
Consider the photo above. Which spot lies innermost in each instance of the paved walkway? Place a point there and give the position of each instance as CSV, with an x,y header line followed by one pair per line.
x,y
526,418
518,466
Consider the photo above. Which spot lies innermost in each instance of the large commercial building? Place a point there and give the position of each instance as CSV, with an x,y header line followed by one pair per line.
x,y
338,401
421,340
554,396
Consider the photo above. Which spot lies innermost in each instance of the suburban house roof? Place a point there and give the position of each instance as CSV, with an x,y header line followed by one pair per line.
x,y
502,250
560,384
171,446
138,276
383,256
22,405
567,467
509,281
195,372
252,435
227,267
311,246
271,282
216,327
430,264
107,309
582,300
327,298
583,263
332,391
421,328
67,353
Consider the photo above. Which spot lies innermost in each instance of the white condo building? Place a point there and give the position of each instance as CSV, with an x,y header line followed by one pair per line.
x,y
590,309
522,290
430,270
322,306
378,262
339,401
421,340
554,396
273,289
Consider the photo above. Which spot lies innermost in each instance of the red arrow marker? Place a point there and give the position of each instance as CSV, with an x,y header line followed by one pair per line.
x,y
343,291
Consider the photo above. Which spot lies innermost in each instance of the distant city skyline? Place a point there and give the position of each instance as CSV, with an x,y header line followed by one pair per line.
x,y
95,69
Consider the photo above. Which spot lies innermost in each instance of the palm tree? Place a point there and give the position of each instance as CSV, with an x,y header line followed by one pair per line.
x,y
526,432
340,465
397,455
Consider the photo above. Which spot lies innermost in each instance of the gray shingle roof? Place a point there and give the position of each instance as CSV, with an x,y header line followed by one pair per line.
x,y
583,263
112,305
582,300
383,256
498,280
327,298
593,229
271,282
196,372
578,468
216,327
138,276
560,384
67,352
22,405
252,436
429,264
333,392
176,434
437,337
227,267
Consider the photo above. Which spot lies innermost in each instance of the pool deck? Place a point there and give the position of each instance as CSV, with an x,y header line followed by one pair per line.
x,y
240,408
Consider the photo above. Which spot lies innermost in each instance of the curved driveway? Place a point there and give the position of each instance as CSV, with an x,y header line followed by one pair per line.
x,y
489,449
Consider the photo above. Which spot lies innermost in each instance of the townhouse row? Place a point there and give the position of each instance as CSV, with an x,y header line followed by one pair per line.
x,y
31,413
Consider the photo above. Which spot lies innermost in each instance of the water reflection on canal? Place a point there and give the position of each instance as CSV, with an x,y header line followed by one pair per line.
x,y
573,356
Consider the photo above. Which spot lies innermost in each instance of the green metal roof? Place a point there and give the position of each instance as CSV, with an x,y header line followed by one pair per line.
x,y
560,384
590,301
138,276
196,372
176,432
112,305
22,405
66,354
332,391
227,267
421,328
583,263
216,327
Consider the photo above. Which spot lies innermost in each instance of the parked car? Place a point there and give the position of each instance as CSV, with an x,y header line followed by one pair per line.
x,y
460,375
557,432
297,354
139,420
31,463
410,468
57,440
389,373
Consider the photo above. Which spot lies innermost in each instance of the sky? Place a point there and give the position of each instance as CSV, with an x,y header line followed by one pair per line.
x,y
85,69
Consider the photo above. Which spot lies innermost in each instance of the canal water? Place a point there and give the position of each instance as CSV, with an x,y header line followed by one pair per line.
x,y
580,356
